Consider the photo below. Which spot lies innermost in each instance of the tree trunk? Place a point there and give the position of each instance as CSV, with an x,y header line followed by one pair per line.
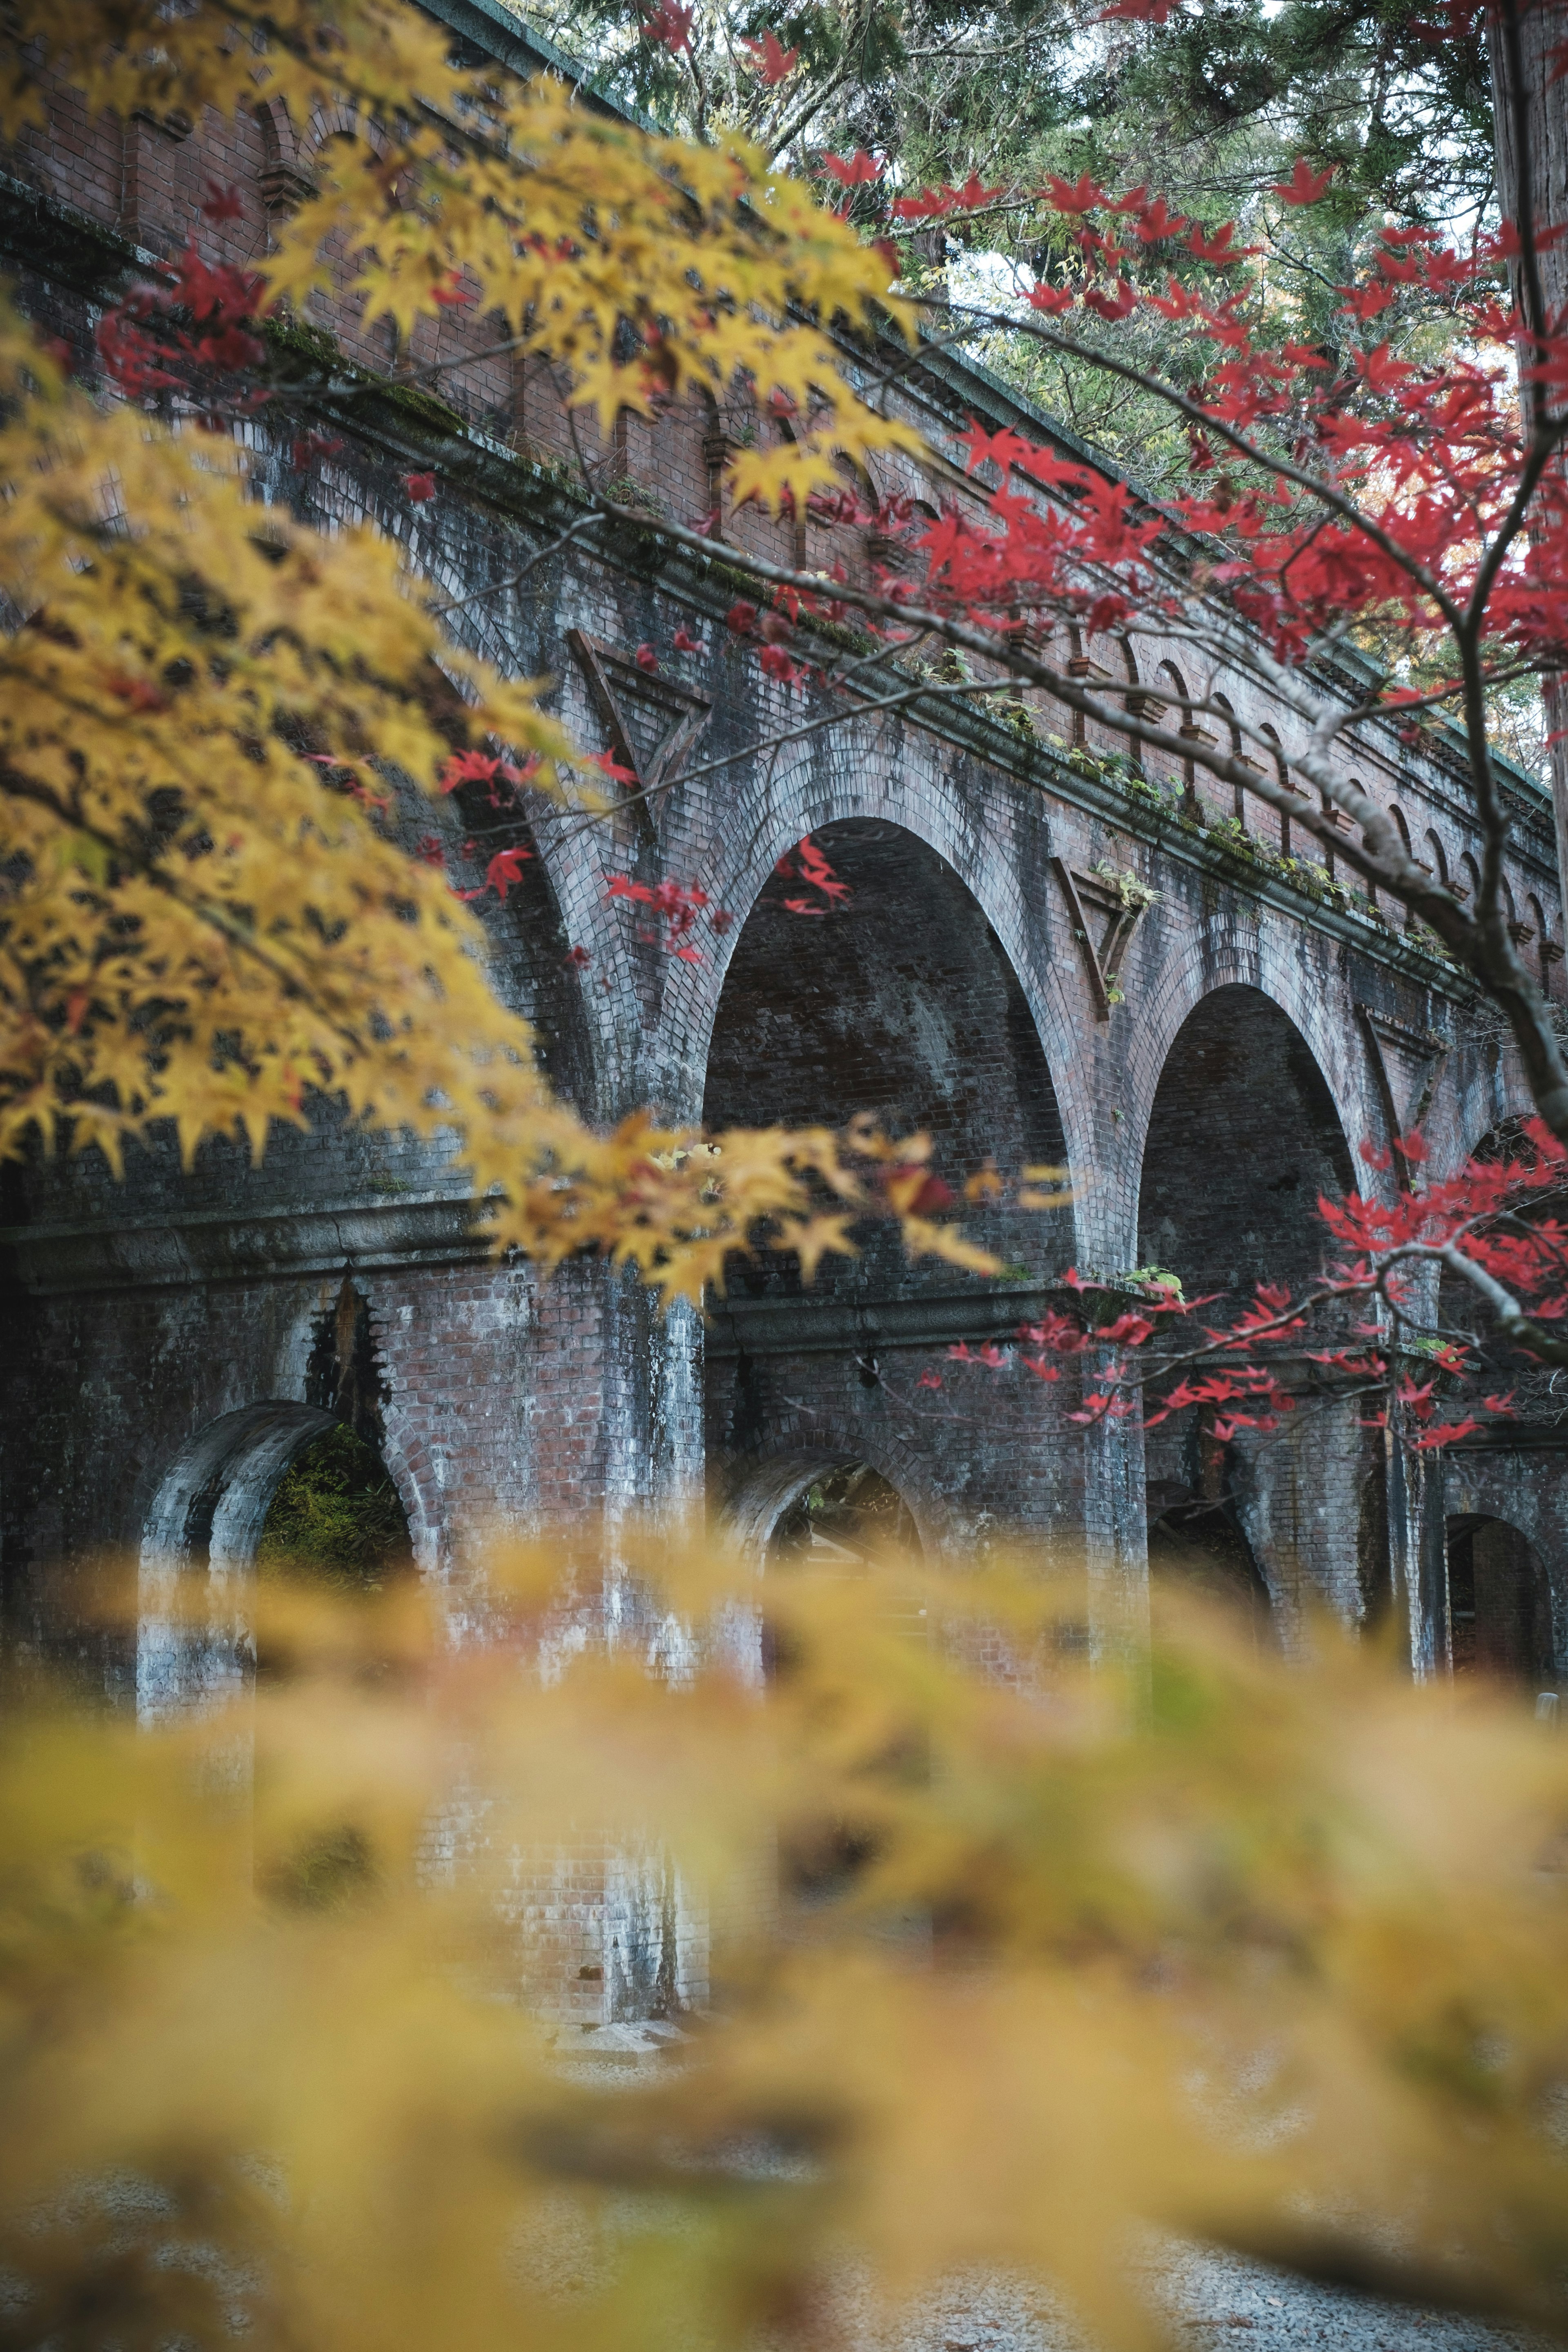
x,y
1529,112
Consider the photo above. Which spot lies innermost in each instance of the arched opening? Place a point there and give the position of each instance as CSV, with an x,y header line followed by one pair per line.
x,y
1077,666
901,1003
1500,1609
212,1506
336,1518
1535,918
1178,716
1356,881
1276,824
1225,714
844,1517
531,955
286,1478
1198,1542
279,1486
1242,1139
1108,668
1539,1390
1401,827
1131,748
809,1508
791,1497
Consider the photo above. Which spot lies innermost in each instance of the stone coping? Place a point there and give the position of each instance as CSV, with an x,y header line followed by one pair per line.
x,y
222,1246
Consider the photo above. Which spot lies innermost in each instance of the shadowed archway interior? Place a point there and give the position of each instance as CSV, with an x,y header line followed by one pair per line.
x,y
1499,1609
901,1003
1242,1140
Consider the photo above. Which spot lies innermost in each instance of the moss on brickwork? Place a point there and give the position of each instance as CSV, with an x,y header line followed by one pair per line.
x,y
336,1518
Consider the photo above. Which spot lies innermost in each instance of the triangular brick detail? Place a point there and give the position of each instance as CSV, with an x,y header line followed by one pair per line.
x,y
1407,1064
1103,925
652,721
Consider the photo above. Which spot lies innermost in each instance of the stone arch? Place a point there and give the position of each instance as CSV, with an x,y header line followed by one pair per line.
x,y
531,953
554,900
1462,1309
1535,915
204,1522
1172,687
1357,881
1499,1602
1077,666
1262,963
771,1488
1238,1078
900,1002
209,1507
1243,1135
1225,710
897,782
1401,827
1277,820
1132,749
205,1519
288,177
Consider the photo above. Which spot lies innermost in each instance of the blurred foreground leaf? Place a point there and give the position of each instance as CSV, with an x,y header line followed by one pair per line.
x,y
1007,1961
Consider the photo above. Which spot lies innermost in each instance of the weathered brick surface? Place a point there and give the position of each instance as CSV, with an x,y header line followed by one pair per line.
x,y
1198,1121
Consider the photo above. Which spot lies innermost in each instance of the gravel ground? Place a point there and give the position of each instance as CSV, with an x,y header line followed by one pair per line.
x,y
1213,2301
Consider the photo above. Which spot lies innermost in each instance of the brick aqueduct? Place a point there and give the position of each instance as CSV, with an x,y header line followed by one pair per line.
x,y
1204,1064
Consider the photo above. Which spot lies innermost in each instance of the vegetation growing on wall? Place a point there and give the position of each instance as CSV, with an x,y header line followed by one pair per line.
x,y
336,1517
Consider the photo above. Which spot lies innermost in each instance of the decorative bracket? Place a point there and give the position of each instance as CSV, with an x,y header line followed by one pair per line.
x,y
1103,923
1408,1064
653,722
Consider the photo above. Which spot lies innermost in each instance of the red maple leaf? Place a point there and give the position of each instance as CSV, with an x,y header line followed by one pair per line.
x,y
221,204
1157,220
1364,301
467,768
852,170
670,24
1304,186
770,62
973,193
1218,247
1113,302
505,868
1082,197
419,487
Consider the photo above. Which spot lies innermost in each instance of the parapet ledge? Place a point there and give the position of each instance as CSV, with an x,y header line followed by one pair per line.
x,y
222,1246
